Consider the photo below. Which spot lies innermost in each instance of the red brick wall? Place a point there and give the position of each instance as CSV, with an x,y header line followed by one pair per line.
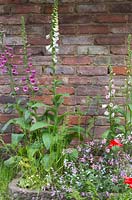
x,y
92,31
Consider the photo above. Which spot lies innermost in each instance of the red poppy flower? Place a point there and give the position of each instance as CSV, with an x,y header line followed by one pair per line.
x,y
115,142
128,180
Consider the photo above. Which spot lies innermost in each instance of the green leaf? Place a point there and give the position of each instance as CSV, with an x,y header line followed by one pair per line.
x,y
46,162
11,121
121,128
39,125
130,107
38,104
16,138
31,151
105,134
21,123
76,129
47,140
74,154
27,115
10,161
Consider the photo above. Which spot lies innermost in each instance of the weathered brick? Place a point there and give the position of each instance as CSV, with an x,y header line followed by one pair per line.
x,y
112,40
101,60
99,130
119,70
63,9
74,120
101,121
75,19
108,18
35,29
60,69
66,49
64,89
76,60
6,138
45,80
5,89
88,70
93,50
92,110
117,60
40,1
11,19
6,99
41,60
77,40
93,29
25,9
47,99
13,1
15,40
121,8
39,19
86,8
5,117
90,90
119,29
84,80
69,101
4,9
12,29
67,30
37,40
118,50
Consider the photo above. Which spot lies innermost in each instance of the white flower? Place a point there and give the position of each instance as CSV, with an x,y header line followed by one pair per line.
x,y
49,49
115,107
106,87
48,36
113,91
106,113
107,96
113,114
111,105
104,105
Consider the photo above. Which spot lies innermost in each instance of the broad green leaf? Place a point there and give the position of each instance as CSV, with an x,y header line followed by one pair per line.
x,y
30,152
47,140
38,104
76,129
121,128
10,161
46,162
11,121
74,154
39,125
21,123
130,107
27,115
16,138
105,134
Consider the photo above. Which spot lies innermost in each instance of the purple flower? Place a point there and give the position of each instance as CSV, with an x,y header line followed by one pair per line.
x,y
30,64
16,88
14,72
32,81
33,71
23,79
25,88
28,70
35,88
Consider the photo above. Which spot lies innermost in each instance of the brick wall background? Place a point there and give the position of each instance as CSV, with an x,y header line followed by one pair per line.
x,y
92,31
